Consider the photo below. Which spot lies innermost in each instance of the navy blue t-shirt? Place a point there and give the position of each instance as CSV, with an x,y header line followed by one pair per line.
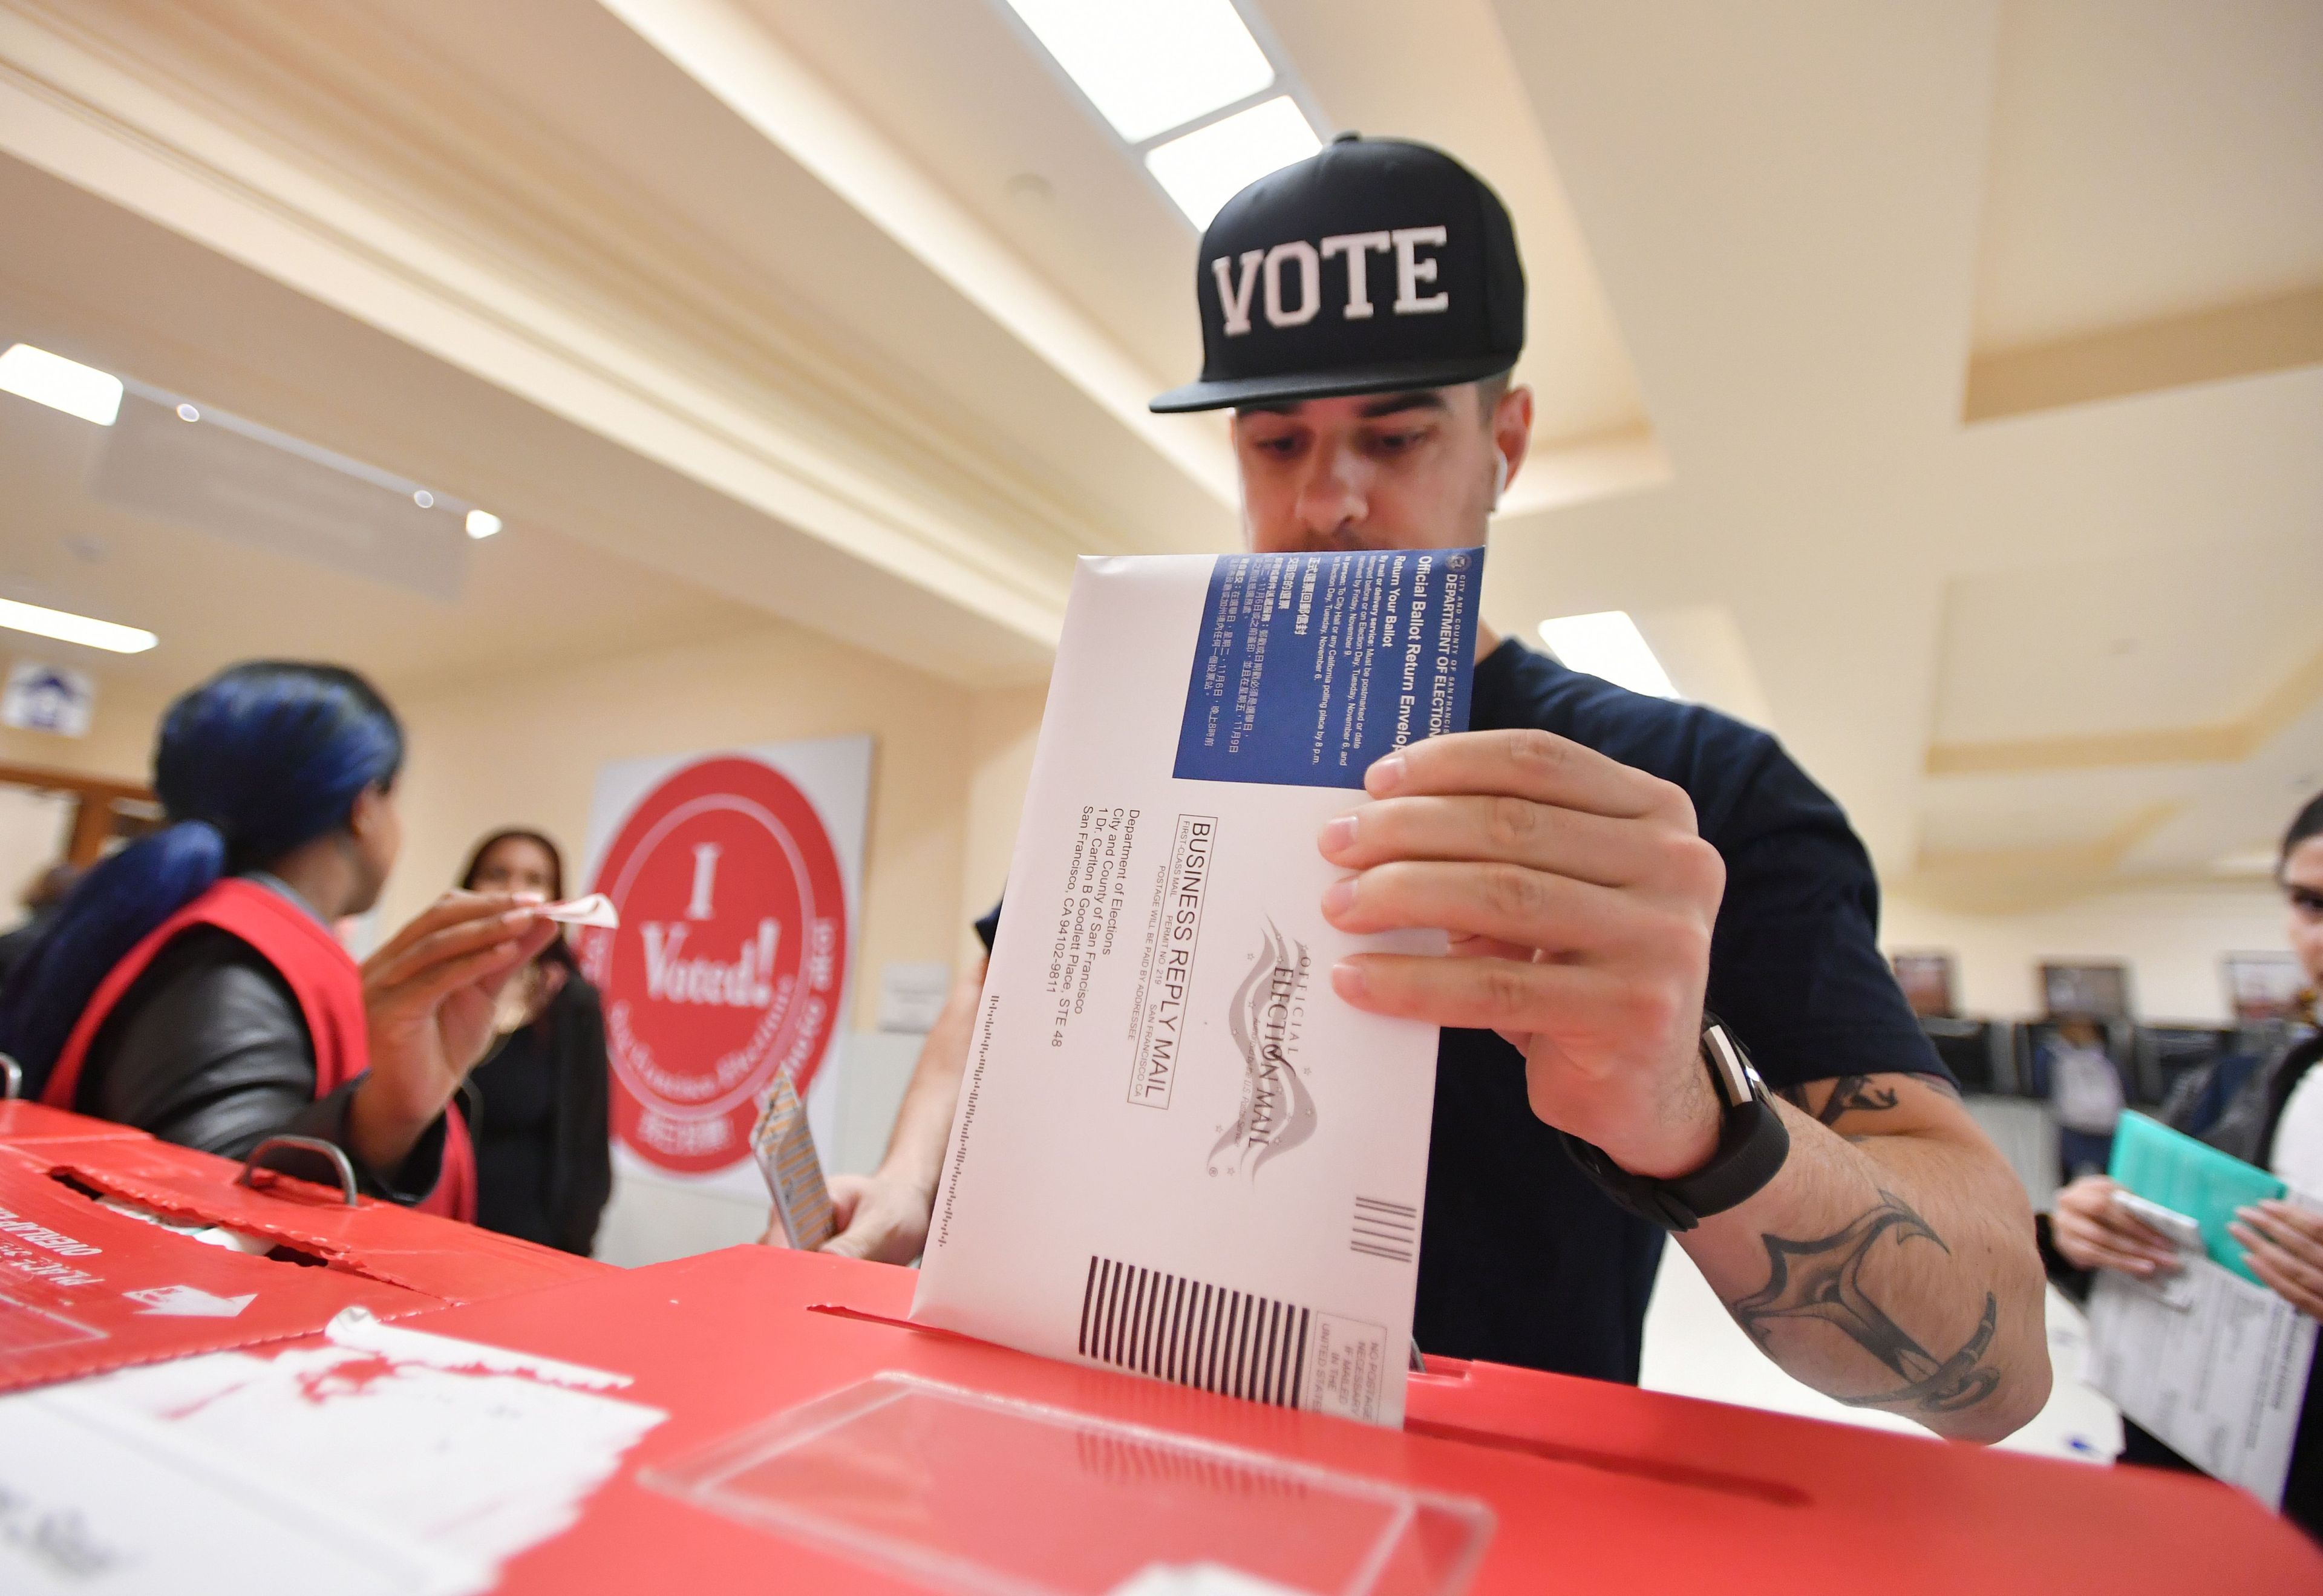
x,y
1522,1259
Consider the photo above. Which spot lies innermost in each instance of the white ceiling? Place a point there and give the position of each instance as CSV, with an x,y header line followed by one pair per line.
x,y
848,314
2152,157
2125,643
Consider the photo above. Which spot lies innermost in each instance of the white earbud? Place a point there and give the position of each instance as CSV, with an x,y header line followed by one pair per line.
x,y
1499,477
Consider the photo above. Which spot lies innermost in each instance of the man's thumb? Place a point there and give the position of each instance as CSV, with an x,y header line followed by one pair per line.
x,y
846,1245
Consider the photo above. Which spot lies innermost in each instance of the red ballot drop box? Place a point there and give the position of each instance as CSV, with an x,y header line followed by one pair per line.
x,y
102,1263
812,1441
24,1123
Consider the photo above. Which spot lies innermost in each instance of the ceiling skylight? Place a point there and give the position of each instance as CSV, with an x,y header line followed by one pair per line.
x,y
60,384
1209,166
1609,644
1149,66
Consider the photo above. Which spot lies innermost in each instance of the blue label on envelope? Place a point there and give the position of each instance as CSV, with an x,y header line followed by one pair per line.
x,y
1310,666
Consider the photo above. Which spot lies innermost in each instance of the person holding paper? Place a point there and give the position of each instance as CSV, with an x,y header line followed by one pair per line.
x,y
2276,1121
192,986
1613,870
538,1103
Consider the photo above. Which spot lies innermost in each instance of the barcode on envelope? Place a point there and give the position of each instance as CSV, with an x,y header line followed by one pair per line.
x,y
1384,1229
1195,1333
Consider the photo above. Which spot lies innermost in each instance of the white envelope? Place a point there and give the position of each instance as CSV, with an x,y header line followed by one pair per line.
x,y
1177,1151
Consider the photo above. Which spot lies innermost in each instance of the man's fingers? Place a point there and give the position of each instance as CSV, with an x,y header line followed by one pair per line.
x,y
1590,848
850,1243
1505,902
846,1195
1526,763
1478,993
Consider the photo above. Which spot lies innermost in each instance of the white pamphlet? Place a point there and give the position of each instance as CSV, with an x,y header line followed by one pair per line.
x,y
2211,1365
1176,1152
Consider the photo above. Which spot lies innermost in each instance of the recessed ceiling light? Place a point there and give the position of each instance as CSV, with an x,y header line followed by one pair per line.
x,y
1209,166
60,384
1608,644
483,523
67,628
188,413
424,499
1149,66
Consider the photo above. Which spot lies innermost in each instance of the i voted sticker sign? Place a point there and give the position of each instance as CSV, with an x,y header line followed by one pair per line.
x,y
726,968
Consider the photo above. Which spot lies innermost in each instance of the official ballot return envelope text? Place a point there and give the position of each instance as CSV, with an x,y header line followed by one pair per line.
x,y
1176,1152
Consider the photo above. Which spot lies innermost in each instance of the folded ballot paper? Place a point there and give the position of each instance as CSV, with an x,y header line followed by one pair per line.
x,y
1176,1152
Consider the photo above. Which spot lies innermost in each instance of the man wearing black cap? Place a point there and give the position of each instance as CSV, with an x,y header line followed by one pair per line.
x,y
1645,898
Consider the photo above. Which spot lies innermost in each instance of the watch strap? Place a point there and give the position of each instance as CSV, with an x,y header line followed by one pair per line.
x,y
1753,1144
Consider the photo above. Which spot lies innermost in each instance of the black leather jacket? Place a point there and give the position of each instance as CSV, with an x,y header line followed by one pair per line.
x,y
208,1049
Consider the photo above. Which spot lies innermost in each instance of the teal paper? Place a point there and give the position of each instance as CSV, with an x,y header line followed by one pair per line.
x,y
2171,1168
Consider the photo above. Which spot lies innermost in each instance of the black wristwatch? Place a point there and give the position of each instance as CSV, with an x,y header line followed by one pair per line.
x,y
1752,1144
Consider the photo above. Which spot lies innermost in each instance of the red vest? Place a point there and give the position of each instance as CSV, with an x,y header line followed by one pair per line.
x,y
321,976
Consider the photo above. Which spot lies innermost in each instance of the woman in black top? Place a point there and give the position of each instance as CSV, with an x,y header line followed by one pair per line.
x,y
537,1105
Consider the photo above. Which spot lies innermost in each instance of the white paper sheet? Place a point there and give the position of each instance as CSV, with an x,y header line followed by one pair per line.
x,y
2210,1364
596,910
1177,1151
386,1459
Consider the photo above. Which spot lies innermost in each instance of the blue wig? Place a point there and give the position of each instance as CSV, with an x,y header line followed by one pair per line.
x,y
258,759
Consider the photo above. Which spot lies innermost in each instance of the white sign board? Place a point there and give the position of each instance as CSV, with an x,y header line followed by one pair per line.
x,y
48,698
738,878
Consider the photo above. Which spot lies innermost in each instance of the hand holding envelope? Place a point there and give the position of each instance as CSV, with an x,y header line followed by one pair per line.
x,y
1580,899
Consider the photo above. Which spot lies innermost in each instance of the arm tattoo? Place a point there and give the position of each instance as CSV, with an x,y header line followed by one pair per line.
x,y
1856,1093
1823,1280
1848,1093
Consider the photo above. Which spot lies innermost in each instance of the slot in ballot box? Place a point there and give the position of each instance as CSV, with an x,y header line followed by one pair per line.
x,y
797,1434
443,1258
119,1249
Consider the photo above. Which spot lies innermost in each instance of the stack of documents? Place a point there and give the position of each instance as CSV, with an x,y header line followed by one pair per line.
x,y
2208,1360
1176,1152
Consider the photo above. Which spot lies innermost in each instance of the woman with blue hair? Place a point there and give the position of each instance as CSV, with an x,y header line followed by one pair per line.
x,y
192,986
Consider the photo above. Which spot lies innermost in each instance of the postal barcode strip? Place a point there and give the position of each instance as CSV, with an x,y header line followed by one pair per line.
x,y
1384,1229
1194,1332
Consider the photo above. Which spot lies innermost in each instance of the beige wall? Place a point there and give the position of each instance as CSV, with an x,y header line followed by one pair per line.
x,y
949,766
525,750
2172,941
1003,729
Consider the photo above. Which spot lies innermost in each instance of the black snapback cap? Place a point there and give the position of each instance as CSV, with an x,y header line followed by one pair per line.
x,y
1374,266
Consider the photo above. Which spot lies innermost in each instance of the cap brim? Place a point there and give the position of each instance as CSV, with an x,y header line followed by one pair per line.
x,y
1313,385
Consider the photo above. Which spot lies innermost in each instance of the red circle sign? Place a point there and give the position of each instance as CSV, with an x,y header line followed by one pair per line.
x,y
729,963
